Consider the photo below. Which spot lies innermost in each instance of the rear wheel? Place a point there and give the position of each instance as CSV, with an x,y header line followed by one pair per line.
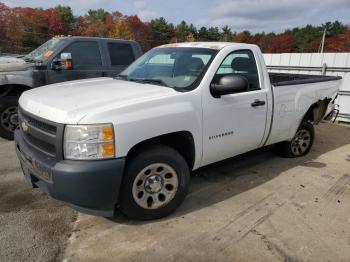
x,y
155,183
301,143
8,116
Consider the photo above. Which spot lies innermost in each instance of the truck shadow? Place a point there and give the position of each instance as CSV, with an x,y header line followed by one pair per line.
x,y
223,180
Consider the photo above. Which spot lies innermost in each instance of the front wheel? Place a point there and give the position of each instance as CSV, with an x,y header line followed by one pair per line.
x,y
8,116
156,182
301,143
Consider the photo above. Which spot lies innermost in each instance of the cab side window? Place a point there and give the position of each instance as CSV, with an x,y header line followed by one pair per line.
x,y
85,54
121,54
240,63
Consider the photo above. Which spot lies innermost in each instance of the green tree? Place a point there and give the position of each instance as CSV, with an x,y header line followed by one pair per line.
x,y
203,34
305,35
335,28
214,34
226,34
67,17
193,31
162,31
98,15
182,31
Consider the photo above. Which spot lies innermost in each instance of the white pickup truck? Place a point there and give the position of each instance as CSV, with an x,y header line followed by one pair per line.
x,y
131,141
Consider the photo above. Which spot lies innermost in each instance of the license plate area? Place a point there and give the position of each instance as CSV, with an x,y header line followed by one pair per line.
x,y
32,167
27,176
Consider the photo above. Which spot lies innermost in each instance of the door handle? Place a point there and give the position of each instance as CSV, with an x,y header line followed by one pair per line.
x,y
258,103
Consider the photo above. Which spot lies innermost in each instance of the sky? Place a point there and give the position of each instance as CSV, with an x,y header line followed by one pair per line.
x,y
239,15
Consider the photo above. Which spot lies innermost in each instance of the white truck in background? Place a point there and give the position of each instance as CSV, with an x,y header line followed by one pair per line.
x,y
131,141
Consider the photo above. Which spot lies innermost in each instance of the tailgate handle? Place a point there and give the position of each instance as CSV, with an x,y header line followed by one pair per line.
x,y
258,103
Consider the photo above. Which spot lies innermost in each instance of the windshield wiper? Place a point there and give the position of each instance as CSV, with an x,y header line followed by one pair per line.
x,y
122,76
143,80
149,81
31,60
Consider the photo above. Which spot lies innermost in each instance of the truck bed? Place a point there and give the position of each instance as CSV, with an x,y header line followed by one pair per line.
x,y
283,79
294,94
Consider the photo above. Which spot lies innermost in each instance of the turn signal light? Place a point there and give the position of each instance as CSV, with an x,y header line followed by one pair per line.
x,y
108,150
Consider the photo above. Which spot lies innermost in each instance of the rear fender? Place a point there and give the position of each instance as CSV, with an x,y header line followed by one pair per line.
x,y
317,111
320,110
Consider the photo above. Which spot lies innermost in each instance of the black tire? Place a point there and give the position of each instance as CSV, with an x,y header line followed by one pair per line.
x,y
8,116
154,155
301,143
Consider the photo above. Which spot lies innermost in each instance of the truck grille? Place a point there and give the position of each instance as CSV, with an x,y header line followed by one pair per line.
x,y
42,135
41,125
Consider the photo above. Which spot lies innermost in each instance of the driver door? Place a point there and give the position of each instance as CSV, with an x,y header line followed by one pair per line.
x,y
87,63
234,123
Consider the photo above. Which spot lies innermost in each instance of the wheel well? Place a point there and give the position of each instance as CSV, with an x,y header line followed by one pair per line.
x,y
13,90
317,111
180,141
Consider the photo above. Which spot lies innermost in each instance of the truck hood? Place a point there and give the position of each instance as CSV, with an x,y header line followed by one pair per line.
x,y
70,102
10,64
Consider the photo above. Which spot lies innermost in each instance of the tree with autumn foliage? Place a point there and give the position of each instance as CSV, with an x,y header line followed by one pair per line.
x,y
122,31
283,43
4,22
55,22
67,18
141,31
23,29
338,43
242,37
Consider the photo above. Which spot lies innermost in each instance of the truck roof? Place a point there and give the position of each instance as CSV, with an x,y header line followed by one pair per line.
x,y
210,45
91,37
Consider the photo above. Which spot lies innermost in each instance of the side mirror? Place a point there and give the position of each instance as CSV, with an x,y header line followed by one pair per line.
x,y
66,60
229,84
63,63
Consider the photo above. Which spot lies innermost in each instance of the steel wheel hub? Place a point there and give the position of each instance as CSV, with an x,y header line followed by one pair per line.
x,y
155,186
301,142
9,118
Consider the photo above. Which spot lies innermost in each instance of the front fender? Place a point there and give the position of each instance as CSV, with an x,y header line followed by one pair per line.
x,y
136,123
23,78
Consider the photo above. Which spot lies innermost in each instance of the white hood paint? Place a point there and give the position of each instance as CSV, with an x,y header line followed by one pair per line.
x,y
70,102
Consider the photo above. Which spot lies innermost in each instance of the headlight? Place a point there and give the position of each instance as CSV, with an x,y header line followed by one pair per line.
x,y
89,142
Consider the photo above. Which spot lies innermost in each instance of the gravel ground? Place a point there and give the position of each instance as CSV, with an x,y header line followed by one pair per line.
x,y
33,227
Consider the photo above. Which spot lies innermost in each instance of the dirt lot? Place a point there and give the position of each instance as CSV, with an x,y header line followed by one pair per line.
x,y
255,207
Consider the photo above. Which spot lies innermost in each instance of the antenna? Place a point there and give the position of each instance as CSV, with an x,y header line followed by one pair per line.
x,y
321,48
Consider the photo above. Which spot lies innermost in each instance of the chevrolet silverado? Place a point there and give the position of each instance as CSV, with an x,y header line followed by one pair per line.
x,y
131,141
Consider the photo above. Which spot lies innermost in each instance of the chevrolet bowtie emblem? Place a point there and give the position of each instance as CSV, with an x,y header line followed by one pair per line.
x,y
24,127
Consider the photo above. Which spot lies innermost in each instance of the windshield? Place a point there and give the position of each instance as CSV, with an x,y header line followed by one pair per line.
x,y
45,51
178,68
